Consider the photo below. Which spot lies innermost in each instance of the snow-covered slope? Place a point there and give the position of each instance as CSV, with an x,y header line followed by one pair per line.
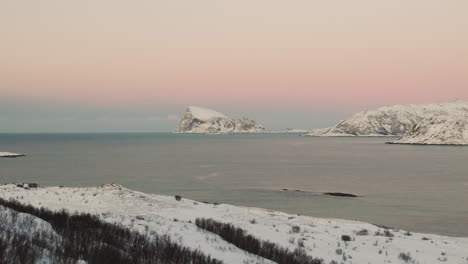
x,y
391,120
322,238
438,130
10,155
203,120
25,227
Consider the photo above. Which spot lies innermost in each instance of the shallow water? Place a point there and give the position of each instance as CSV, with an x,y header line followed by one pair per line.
x,y
419,188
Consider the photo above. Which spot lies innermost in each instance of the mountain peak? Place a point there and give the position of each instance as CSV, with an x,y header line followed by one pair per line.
x,y
203,113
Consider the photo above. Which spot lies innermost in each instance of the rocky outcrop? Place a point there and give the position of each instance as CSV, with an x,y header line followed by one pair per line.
x,y
203,120
391,120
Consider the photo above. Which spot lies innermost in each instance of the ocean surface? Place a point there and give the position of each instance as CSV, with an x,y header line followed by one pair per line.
x,y
417,188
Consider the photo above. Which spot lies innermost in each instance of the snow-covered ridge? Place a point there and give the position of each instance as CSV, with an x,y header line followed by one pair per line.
x,y
438,130
322,238
391,120
203,120
10,155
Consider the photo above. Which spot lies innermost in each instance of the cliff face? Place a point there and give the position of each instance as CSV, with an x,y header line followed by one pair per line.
x,y
391,120
203,120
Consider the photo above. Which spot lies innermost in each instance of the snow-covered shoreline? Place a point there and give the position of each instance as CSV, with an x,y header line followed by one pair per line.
x,y
321,238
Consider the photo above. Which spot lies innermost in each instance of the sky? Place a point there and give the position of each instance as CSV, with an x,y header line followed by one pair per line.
x,y
111,65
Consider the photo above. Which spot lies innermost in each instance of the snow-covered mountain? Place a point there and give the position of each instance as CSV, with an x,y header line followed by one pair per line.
x,y
438,130
203,120
333,240
391,120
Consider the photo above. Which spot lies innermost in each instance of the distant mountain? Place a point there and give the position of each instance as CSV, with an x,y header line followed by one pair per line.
x,y
204,120
438,130
393,120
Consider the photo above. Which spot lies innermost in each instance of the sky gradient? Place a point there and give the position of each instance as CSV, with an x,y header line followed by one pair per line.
x,y
112,65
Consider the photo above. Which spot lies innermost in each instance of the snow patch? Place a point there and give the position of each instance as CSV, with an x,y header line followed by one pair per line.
x,y
204,114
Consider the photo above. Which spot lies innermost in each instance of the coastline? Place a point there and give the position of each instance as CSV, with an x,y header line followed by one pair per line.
x,y
425,144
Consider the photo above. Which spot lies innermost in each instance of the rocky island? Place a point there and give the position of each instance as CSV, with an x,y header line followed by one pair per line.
x,y
10,155
203,120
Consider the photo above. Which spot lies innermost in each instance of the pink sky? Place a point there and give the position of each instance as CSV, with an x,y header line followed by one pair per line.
x,y
260,54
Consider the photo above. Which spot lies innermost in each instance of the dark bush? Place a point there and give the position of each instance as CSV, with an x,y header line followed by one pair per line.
x,y
406,257
345,238
249,243
87,237
295,229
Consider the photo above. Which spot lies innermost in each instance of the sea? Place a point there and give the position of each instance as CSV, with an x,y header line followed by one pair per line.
x,y
416,188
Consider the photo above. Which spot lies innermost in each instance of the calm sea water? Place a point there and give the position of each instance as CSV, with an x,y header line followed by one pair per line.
x,y
418,188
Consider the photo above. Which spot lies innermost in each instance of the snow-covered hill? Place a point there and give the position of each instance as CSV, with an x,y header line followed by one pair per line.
x,y
28,230
391,120
438,130
322,238
203,120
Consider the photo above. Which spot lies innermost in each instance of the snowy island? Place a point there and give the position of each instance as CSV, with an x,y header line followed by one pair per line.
x,y
10,155
203,120
222,232
393,120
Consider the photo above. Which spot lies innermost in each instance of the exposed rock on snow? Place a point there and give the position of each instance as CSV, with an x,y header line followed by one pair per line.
x,y
203,120
10,155
391,120
321,238
438,130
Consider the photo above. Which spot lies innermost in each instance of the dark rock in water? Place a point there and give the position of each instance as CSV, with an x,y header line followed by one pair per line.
x,y
285,189
340,194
